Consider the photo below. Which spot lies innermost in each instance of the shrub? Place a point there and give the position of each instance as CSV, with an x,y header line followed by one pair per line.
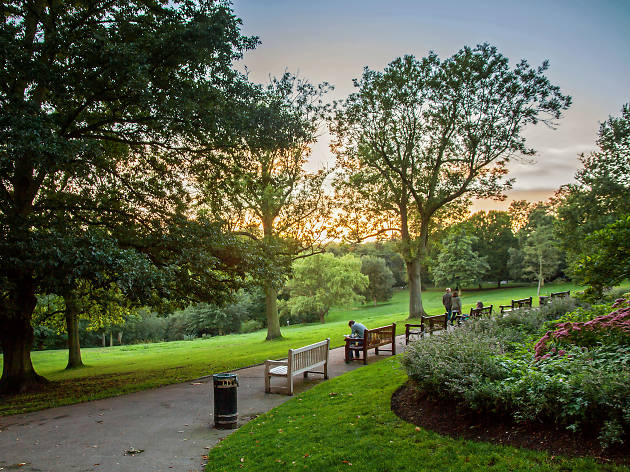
x,y
490,366
250,326
612,328
461,364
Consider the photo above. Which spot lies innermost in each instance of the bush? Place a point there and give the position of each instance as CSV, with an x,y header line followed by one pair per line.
x,y
611,329
460,364
250,326
491,366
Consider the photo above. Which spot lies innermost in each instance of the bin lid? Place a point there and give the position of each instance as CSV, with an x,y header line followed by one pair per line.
x,y
224,376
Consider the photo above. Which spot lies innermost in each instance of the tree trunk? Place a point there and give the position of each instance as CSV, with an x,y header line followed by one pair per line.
x,y
499,283
271,310
415,289
322,317
120,335
540,274
72,326
103,338
111,339
18,374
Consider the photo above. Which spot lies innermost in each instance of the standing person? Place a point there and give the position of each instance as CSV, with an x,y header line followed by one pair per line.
x,y
456,306
357,331
447,301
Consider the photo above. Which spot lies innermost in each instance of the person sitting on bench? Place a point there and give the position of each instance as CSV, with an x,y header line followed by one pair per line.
x,y
358,332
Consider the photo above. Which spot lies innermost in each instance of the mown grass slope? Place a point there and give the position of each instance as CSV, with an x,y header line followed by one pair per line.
x,y
346,424
122,369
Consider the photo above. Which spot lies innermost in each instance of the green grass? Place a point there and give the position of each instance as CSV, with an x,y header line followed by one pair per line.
x,y
346,424
123,369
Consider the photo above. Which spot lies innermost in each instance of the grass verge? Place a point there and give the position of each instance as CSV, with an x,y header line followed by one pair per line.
x,y
346,424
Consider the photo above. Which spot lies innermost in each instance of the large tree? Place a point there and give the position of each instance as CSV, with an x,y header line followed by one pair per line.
x,y
381,279
601,194
264,190
95,98
458,263
493,231
322,281
606,262
423,135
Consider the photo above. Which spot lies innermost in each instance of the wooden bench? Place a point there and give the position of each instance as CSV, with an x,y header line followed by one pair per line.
x,y
372,339
543,300
517,304
475,313
299,361
428,324
479,312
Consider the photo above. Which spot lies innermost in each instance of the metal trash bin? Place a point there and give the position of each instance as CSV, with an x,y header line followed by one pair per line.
x,y
225,401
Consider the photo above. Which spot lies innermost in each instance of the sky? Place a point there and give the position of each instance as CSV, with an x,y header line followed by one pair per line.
x,y
586,42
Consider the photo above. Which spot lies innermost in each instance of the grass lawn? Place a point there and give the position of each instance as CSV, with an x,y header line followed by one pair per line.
x,y
346,424
123,369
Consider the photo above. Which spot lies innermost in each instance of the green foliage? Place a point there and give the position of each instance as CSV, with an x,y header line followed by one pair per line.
x,y
493,231
102,94
461,363
322,281
605,261
411,154
585,386
381,280
537,256
457,263
601,195
264,191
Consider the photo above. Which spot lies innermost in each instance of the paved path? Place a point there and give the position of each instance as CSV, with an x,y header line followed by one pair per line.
x,y
172,426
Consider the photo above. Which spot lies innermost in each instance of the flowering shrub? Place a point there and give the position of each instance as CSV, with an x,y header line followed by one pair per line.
x,y
613,328
493,366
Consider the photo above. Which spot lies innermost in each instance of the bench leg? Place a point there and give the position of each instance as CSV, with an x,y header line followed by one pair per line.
x,y
365,355
267,383
347,353
326,371
305,375
290,380
394,346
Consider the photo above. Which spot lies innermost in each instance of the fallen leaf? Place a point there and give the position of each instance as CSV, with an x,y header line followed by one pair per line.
x,y
133,451
306,455
417,428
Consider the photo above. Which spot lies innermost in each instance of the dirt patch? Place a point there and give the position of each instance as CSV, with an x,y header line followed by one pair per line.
x,y
443,417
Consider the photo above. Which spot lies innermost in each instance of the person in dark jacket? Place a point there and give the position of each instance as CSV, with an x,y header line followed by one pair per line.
x,y
456,306
357,331
447,301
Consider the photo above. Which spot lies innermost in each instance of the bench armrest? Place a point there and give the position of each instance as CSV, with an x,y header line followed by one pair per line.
x,y
269,364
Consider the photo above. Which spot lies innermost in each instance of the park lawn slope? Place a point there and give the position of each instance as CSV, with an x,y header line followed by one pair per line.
x,y
123,369
346,424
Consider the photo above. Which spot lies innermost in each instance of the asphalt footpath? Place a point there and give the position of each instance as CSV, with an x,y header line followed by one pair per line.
x,y
160,430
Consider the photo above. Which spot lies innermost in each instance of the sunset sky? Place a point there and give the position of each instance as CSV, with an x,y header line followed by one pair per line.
x,y
586,42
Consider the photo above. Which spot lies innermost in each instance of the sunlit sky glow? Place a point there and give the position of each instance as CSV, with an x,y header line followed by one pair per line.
x,y
586,42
